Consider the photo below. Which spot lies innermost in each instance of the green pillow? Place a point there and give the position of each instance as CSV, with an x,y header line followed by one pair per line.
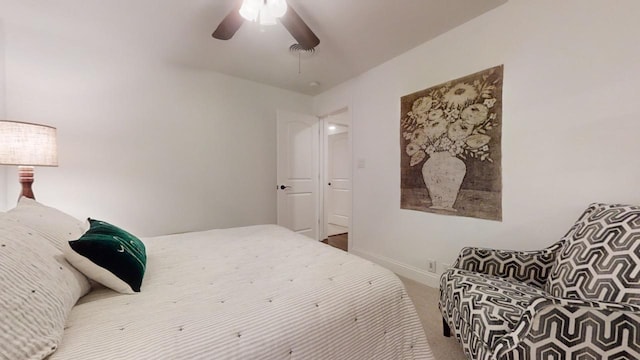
x,y
110,256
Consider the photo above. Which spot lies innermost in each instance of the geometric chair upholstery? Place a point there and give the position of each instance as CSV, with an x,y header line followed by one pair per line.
x,y
577,299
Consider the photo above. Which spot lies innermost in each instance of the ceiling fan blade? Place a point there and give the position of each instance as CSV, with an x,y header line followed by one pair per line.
x,y
299,30
230,24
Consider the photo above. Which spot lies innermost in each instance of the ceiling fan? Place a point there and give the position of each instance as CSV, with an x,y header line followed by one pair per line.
x,y
267,11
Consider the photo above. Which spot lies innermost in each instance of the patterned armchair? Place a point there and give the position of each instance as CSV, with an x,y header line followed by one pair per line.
x,y
577,299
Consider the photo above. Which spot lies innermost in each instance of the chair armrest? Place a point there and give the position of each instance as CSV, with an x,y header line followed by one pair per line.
x,y
564,322
529,267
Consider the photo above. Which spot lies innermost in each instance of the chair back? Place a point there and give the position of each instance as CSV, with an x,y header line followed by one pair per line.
x,y
601,256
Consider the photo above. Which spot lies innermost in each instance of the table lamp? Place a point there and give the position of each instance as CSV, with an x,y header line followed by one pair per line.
x,y
27,145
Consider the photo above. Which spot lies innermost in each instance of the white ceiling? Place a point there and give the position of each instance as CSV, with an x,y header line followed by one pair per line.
x,y
355,35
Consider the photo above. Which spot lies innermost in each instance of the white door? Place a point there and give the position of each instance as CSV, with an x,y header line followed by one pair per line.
x,y
339,207
298,171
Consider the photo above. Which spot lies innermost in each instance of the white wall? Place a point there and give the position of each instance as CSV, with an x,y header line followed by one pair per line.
x,y
570,128
3,171
148,146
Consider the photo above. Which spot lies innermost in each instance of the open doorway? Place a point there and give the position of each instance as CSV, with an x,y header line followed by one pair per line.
x,y
337,178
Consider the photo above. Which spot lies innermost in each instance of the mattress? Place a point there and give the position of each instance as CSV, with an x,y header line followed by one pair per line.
x,y
260,292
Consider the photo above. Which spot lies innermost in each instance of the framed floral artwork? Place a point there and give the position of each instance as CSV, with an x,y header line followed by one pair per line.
x,y
450,137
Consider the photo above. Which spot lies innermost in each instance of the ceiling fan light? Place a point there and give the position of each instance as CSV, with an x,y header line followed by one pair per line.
x,y
277,7
266,16
250,9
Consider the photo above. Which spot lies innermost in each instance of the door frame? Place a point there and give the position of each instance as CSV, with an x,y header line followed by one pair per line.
x,y
323,194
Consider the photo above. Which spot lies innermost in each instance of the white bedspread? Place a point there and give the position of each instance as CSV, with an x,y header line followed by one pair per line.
x,y
259,292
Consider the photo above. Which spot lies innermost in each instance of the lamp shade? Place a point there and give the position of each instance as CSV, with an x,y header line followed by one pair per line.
x,y
27,144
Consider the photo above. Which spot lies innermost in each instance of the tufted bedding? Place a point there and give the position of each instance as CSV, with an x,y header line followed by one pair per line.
x,y
260,292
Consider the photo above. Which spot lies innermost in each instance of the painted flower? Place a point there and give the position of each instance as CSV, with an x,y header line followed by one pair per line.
x,y
430,149
478,141
457,148
412,148
459,130
419,136
422,105
436,114
454,118
490,102
417,158
421,118
460,95
443,143
452,114
475,114
436,128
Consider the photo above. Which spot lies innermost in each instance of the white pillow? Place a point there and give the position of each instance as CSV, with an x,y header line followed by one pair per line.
x,y
38,290
52,224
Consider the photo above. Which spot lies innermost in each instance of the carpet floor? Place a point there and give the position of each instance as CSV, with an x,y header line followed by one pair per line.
x,y
425,299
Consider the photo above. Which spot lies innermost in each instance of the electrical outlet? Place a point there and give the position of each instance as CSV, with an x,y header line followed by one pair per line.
x,y
431,265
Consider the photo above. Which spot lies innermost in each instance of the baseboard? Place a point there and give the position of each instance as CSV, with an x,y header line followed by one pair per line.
x,y
408,271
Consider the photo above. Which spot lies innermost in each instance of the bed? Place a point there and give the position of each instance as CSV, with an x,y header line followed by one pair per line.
x,y
258,292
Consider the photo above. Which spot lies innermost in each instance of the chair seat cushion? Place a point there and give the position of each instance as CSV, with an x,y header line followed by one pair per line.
x,y
490,305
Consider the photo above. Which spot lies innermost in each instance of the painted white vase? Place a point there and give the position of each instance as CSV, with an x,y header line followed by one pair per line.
x,y
443,175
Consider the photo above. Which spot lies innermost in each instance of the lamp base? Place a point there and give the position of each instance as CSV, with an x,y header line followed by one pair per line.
x,y
25,176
